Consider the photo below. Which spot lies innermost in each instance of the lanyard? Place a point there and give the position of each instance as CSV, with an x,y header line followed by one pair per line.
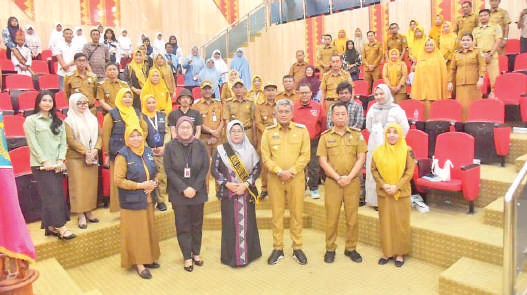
x,y
154,123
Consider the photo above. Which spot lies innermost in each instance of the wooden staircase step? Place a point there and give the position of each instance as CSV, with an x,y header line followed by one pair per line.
x,y
54,280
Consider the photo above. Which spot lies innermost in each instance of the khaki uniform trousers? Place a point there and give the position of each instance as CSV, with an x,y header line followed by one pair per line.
x,y
328,103
334,197
292,193
493,69
162,178
372,76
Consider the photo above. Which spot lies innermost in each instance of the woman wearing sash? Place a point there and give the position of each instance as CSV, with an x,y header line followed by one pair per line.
x,y
236,166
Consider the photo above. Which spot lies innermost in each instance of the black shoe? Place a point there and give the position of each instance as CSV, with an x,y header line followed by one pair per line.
x,y
376,208
49,232
383,261
189,268
198,262
152,265
263,195
161,207
399,263
275,256
329,257
83,225
67,235
362,203
300,256
145,274
354,255
93,220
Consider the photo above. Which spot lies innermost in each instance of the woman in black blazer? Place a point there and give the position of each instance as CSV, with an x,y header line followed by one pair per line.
x,y
186,164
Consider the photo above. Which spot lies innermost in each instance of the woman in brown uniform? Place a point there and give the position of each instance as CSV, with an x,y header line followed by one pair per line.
x,y
392,168
466,72
84,141
394,74
135,171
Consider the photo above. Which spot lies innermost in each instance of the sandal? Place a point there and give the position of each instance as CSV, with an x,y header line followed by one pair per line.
x,y
49,232
93,219
65,236
197,262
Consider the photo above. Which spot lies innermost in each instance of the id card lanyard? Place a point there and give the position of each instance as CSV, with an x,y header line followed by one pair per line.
x,y
186,170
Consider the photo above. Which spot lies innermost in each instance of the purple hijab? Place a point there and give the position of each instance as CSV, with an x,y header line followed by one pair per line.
x,y
313,81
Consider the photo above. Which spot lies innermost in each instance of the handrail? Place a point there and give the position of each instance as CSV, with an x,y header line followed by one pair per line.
x,y
510,234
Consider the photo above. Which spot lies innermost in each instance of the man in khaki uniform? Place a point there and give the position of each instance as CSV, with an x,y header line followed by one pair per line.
x,y
342,152
285,153
298,69
467,22
81,81
500,17
330,81
396,40
108,88
240,108
212,115
371,59
487,37
324,54
264,116
289,89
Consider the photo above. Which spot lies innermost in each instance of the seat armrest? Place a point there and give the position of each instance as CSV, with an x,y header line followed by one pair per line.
x,y
470,178
467,167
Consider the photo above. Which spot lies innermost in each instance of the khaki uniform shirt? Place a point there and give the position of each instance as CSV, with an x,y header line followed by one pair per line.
x,y
324,55
399,43
74,83
286,149
467,67
293,96
242,110
341,150
485,36
264,114
211,112
500,17
465,24
371,55
298,70
107,90
330,81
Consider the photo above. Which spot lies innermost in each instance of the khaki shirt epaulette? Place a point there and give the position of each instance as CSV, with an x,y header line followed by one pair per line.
x,y
249,99
326,131
300,125
228,99
197,101
272,126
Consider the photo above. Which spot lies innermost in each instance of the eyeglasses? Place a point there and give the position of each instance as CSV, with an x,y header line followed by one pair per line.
x,y
305,92
82,103
237,131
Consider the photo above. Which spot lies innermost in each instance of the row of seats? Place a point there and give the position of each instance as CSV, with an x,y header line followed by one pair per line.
x,y
45,55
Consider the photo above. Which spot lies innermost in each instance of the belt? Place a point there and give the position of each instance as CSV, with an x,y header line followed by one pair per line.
x,y
331,99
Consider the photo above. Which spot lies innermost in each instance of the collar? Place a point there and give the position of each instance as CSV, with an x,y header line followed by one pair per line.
x,y
293,92
301,63
335,74
235,99
308,106
468,15
494,9
289,126
334,131
110,81
267,102
484,26
208,101
40,116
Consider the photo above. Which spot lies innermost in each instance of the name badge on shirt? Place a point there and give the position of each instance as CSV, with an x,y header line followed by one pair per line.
x,y
214,118
186,172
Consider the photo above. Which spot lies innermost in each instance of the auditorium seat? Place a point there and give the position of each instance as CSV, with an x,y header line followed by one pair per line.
x,y
6,107
49,82
54,67
375,84
40,67
180,80
512,47
445,115
46,54
458,147
415,112
486,124
510,87
503,62
28,196
196,93
61,101
520,62
7,66
418,141
14,131
26,102
3,54
19,82
360,88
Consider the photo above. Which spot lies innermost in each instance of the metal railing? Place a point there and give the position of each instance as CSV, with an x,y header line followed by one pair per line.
x,y
513,251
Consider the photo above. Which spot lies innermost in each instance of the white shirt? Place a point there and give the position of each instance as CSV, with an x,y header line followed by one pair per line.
x,y
67,50
26,53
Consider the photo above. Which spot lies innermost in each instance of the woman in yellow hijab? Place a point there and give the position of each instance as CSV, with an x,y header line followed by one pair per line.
x,y
437,28
155,86
392,168
340,41
136,74
124,115
447,43
161,65
431,77
256,92
226,91
410,33
418,43
394,74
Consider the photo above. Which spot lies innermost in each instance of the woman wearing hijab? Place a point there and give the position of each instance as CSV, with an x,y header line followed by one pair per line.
x,y
114,125
382,112
352,60
159,45
431,77
56,38
437,28
466,72
33,42
240,63
124,48
357,40
312,80
136,74
340,42
236,166
410,33
111,43
148,46
447,43
160,64
141,39
78,40
226,91
209,72
46,139
9,34
176,50
418,43
256,92
84,142
395,73
392,168
220,65
135,176
186,164
155,85
193,64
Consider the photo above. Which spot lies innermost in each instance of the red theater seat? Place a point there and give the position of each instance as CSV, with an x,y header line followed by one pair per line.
x,y
14,131
520,62
40,67
7,66
418,141
61,101
512,47
46,54
510,87
414,110
360,88
376,83
26,102
196,93
48,82
6,107
19,82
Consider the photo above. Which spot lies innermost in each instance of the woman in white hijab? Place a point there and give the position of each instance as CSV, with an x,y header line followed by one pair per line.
x,y
382,112
56,37
220,66
78,39
142,37
84,140
33,41
159,45
125,48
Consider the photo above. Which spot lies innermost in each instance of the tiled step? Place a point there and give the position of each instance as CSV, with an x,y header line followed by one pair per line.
x,y
54,280
469,276
493,213
520,161
263,218
518,147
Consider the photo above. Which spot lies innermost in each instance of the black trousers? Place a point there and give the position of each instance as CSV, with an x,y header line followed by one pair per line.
x,y
313,168
523,45
189,225
55,210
